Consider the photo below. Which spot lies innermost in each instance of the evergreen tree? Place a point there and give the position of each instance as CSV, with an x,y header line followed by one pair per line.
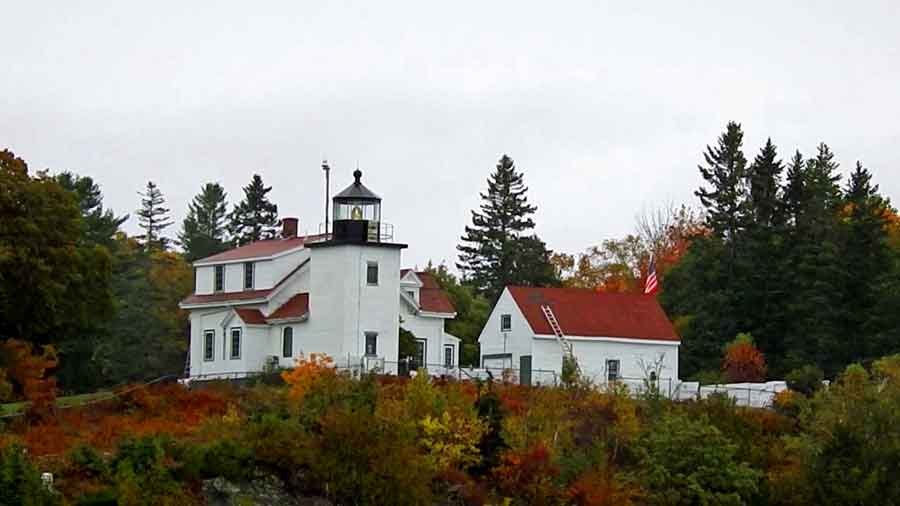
x,y
495,252
203,230
255,218
100,225
794,190
867,263
725,172
760,248
153,217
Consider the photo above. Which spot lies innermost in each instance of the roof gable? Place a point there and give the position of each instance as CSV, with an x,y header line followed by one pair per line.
x,y
295,307
589,313
431,297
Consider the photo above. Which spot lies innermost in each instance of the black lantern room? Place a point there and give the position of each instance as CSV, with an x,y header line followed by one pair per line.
x,y
357,213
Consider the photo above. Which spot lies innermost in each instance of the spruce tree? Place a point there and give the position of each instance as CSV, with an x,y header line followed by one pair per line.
x,y
153,218
495,250
867,264
764,181
255,218
203,230
725,173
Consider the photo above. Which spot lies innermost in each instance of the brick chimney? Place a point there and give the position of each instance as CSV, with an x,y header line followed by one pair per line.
x,y
289,228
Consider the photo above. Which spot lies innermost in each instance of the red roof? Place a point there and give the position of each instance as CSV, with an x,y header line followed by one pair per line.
x,y
295,307
227,296
431,297
251,316
259,249
589,313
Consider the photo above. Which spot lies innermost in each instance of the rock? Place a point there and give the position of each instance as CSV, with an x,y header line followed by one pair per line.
x,y
266,490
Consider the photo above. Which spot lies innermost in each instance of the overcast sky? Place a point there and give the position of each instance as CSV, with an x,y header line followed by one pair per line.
x,y
606,108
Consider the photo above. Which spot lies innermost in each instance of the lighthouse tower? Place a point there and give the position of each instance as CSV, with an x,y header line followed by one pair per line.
x,y
354,291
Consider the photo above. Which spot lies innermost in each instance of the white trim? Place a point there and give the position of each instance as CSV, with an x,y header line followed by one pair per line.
x,y
222,303
409,300
416,280
437,315
290,319
629,340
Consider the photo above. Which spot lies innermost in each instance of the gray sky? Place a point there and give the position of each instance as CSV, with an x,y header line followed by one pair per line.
x,y
605,107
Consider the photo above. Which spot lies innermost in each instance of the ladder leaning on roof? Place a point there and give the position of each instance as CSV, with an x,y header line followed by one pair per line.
x,y
557,330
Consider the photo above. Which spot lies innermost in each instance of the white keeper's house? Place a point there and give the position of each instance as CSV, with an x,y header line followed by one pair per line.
x,y
613,336
341,293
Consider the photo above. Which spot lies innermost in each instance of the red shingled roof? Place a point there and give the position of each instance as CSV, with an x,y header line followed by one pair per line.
x,y
431,297
226,296
258,249
251,316
589,313
295,307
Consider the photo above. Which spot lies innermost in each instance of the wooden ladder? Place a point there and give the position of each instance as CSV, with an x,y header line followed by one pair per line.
x,y
557,330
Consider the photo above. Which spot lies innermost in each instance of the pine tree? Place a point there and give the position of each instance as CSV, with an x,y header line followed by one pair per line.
x,y
725,173
495,251
254,218
153,217
203,230
100,225
760,248
866,264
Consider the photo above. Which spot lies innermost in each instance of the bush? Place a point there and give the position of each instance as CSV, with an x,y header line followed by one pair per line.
x,y
687,461
20,482
806,380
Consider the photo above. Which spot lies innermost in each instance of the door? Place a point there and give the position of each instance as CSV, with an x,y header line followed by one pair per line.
x,y
525,370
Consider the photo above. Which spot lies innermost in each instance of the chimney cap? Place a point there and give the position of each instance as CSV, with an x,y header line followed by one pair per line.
x,y
289,227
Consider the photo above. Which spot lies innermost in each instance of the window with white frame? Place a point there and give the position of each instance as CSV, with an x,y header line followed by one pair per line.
x,y
287,342
505,323
372,273
612,370
449,355
219,278
235,343
371,344
209,343
421,355
249,273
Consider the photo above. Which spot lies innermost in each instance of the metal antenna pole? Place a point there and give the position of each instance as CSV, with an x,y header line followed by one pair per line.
x,y
327,170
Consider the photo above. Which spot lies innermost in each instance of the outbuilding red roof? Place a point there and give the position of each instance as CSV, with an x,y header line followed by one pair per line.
x,y
431,297
588,313
259,249
295,307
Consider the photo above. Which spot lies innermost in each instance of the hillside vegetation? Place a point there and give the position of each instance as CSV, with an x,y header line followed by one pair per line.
x,y
388,440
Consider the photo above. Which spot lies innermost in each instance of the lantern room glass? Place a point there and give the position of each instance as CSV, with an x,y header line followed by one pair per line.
x,y
357,209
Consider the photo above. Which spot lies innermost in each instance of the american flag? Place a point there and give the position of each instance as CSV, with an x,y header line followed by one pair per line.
x,y
652,284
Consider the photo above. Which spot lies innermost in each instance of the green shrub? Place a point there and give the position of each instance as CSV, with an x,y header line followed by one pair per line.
x,y
226,458
86,459
806,379
20,482
687,461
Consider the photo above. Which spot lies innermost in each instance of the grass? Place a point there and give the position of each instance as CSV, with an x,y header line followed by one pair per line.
x,y
16,407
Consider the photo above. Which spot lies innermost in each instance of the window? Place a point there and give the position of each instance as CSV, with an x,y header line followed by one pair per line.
x,y
448,355
612,370
420,354
411,294
235,343
209,342
287,342
505,323
248,275
220,278
371,344
372,273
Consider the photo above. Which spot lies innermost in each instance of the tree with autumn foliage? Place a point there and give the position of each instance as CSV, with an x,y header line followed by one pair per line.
x,y
743,362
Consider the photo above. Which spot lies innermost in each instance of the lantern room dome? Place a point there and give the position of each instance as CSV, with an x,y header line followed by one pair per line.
x,y
357,191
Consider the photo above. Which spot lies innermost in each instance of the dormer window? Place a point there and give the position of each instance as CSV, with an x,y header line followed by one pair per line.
x,y
249,271
220,279
412,294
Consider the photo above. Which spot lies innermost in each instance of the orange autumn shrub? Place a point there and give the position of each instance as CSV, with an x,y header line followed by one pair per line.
x,y
24,365
602,487
529,477
307,373
743,362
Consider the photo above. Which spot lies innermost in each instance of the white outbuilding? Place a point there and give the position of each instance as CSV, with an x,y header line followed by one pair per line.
x,y
613,336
